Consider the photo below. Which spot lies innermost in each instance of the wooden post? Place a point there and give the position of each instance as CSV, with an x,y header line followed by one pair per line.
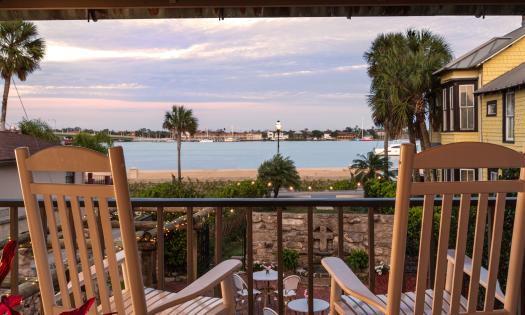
x,y
190,263
249,254
160,248
218,235
310,260
371,250
13,235
280,287
340,233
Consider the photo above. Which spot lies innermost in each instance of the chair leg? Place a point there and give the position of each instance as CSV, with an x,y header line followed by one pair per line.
x,y
227,290
335,296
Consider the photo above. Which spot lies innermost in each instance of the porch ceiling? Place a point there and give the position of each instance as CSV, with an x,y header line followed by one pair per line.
x,y
150,9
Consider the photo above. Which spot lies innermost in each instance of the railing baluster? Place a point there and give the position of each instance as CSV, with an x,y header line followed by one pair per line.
x,y
340,235
371,250
218,235
280,266
190,264
13,235
310,260
160,248
249,254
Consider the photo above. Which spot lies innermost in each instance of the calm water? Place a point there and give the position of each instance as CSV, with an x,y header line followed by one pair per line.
x,y
242,155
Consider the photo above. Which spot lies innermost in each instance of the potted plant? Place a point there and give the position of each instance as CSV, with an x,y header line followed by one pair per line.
x,y
381,277
357,260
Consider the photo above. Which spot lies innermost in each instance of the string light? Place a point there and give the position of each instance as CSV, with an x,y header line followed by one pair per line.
x,y
269,184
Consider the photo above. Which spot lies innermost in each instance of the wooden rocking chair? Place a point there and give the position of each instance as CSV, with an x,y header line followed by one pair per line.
x,y
114,277
451,264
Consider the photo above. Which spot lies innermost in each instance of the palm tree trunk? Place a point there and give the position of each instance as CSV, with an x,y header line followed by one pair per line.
x,y
385,146
7,84
179,145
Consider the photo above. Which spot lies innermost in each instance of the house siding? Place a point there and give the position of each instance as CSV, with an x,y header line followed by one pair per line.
x,y
459,74
493,126
452,137
504,61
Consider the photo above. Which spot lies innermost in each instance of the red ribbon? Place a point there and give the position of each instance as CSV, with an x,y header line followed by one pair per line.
x,y
7,302
8,254
82,310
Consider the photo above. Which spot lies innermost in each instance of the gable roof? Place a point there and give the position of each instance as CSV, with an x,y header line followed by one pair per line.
x,y
9,141
485,51
512,78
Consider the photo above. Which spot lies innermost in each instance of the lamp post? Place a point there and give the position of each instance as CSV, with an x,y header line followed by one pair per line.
x,y
278,128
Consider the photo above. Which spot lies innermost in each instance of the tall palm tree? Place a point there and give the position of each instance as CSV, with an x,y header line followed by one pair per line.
x,y
382,59
426,53
366,167
179,121
21,51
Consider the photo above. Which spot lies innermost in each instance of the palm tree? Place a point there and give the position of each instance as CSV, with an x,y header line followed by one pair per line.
x,y
21,51
277,172
179,121
382,57
366,167
38,129
427,53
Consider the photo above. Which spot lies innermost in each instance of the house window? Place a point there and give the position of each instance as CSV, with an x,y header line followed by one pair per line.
x,y
494,175
467,175
466,107
492,108
509,116
445,125
451,106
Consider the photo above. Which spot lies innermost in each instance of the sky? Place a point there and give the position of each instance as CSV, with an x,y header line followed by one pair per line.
x,y
239,74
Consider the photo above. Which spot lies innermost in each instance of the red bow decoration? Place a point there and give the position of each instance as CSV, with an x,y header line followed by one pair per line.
x,y
82,310
7,302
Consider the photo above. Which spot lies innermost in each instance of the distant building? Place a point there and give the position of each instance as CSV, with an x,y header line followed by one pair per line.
x,y
272,135
9,182
483,98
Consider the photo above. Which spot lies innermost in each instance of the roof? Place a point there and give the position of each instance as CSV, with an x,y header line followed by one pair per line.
x,y
512,78
9,141
152,9
482,53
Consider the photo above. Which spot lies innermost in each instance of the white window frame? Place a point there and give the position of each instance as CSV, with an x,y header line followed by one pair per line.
x,y
468,171
510,119
493,175
469,108
445,125
451,107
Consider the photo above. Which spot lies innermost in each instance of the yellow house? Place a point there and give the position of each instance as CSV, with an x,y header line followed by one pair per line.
x,y
483,97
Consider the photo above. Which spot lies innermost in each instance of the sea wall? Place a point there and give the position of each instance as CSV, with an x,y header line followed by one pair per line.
x,y
326,240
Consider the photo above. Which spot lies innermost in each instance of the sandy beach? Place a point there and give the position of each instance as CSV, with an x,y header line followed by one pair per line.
x,y
137,175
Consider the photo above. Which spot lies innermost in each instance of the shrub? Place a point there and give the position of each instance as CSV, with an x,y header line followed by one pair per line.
x,y
290,259
380,188
357,259
243,189
176,250
166,190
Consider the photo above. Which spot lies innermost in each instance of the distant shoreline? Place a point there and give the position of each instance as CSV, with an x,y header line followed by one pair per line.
x,y
139,175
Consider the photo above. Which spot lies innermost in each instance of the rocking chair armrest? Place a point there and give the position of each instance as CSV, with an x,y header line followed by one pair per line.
x,y
349,283
483,273
199,287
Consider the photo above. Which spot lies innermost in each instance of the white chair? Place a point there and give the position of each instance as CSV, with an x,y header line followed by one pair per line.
x,y
241,288
349,296
269,311
290,285
113,276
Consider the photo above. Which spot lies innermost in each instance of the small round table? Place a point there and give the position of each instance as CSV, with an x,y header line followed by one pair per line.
x,y
263,276
301,306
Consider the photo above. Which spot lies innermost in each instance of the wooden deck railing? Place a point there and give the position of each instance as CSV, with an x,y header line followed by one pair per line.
x,y
160,207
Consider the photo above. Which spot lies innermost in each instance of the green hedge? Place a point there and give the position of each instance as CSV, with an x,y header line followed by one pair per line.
x,y
380,188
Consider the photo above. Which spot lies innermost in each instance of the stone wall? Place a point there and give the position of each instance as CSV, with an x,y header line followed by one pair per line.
x,y
325,235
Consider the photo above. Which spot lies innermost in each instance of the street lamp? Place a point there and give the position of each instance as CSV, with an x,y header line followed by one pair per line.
x,y
278,128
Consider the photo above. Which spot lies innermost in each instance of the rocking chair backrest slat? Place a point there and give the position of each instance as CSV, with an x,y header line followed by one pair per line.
x,y
424,253
477,252
441,259
454,266
461,244
82,217
495,251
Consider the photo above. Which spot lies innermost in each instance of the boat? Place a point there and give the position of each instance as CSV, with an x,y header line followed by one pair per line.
x,y
393,150
206,140
366,139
